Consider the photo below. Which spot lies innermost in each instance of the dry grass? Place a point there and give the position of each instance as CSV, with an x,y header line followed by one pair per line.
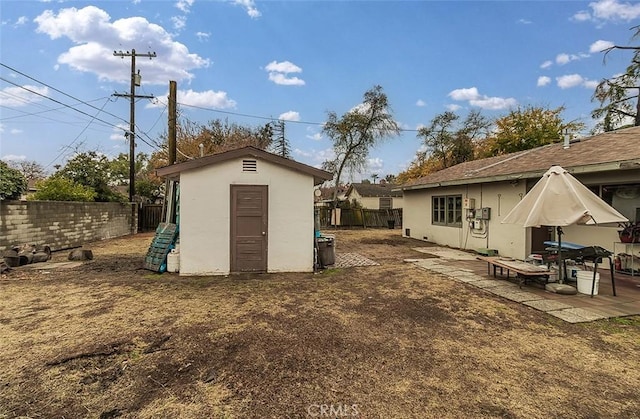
x,y
109,339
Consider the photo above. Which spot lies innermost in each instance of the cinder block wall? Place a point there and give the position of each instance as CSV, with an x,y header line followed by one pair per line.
x,y
62,225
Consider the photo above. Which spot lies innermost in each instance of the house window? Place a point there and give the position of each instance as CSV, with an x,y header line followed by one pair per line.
x,y
624,198
385,203
447,210
249,166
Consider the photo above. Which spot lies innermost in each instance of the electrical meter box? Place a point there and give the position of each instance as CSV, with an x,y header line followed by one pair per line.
x,y
484,213
468,203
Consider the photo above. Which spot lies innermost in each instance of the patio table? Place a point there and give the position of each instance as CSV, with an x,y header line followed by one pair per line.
x,y
522,270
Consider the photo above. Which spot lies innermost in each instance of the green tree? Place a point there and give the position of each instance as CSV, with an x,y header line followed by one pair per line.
x,y
450,142
92,170
356,132
12,182
528,127
619,96
58,188
146,183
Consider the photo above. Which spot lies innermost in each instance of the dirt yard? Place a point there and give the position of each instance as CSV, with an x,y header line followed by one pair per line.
x,y
109,339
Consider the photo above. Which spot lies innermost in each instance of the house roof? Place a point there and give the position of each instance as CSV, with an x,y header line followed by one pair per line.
x,y
615,150
372,190
174,170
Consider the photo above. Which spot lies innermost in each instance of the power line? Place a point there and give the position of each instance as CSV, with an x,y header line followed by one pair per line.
x,y
80,101
24,114
65,105
267,118
59,91
75,139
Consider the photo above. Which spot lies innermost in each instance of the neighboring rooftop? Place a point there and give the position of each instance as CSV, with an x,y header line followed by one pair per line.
x,y
613,150
375,190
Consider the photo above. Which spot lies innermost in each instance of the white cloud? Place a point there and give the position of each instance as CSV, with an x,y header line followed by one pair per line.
x,y
493,103
543,81
250,7
464,94
118,132
562,59
302,153
591,84
21,96
289,116
375,164
314,157
315,136
184,5
546,64
609,10
179,22
279,73
203,36
453,107
615,10
282,79
21,21
283,67
570,80
574,80
421,103
600,46
16,131
14,157
582,16
482,101
524,21
95,36
207,98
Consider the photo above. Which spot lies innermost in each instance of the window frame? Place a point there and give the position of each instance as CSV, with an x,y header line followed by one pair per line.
x,y
446,210
385,199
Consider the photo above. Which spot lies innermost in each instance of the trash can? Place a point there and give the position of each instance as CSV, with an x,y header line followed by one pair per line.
x,y
326,251
392,223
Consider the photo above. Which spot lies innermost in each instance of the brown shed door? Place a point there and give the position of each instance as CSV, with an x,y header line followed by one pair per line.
x,y
249,228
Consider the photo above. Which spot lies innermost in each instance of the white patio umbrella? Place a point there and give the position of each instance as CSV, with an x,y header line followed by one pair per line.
x,y
557,200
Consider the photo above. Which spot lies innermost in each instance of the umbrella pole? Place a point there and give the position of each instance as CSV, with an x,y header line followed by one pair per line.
x,y
560,268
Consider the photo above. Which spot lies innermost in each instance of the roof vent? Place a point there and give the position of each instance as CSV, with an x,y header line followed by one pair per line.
x,y
249,166
567,139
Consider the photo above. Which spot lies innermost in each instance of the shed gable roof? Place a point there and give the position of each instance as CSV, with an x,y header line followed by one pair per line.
x,y
174,170
608,151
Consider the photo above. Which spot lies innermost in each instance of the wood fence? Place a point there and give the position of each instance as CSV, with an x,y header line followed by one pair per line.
x,y
149,216
361,217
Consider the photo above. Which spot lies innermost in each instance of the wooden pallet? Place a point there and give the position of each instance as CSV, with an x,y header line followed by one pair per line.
x,y
165,238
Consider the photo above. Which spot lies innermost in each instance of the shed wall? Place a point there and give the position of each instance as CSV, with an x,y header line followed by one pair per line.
x,y
205,217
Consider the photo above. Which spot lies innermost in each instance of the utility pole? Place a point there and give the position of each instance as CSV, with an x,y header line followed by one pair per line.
x,y
173,119
131,135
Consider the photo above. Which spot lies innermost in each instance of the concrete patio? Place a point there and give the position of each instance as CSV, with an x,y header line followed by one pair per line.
x,y
465,267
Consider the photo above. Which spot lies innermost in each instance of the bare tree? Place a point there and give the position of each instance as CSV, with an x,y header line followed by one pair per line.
x,y
356,132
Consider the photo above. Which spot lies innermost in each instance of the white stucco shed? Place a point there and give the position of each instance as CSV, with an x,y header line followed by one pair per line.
x,y
245,210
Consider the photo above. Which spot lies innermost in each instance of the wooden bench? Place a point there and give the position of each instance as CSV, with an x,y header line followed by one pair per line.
x,y
522,270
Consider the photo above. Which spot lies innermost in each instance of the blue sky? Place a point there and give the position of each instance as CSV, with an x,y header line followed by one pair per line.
x,y
249,61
